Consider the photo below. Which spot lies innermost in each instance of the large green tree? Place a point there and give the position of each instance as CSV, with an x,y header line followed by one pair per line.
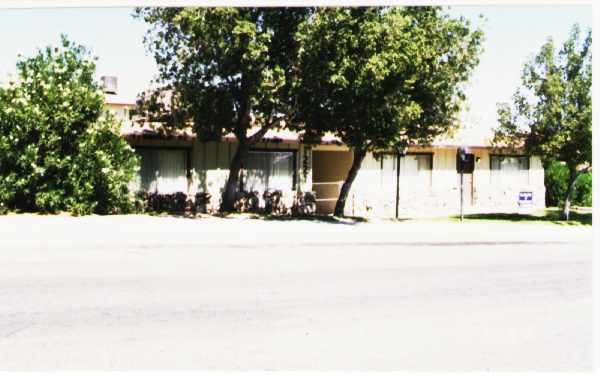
x,y
223,70
59,149
381,77
551,115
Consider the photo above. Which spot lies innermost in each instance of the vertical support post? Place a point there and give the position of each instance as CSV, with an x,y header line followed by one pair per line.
x,y
461,195
397,184
461,168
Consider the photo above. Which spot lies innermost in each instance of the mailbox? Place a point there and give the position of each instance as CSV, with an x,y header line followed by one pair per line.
x,y
465,163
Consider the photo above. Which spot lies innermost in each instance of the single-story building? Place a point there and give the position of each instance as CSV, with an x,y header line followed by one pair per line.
x,y
428,183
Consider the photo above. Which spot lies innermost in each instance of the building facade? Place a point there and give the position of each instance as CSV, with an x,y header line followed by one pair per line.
x,y
423,182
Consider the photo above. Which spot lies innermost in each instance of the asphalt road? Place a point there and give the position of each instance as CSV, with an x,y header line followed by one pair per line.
x,y
136,292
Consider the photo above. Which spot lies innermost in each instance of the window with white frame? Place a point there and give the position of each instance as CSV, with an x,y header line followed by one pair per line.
x,y
162,170
509,169
269,170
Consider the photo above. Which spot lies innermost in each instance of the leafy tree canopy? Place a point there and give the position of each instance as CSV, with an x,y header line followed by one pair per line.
x,y
58,150
379,76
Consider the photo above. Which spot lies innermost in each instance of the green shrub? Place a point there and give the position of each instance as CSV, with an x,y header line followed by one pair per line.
x,y
583,190
59,149
202,203
556,179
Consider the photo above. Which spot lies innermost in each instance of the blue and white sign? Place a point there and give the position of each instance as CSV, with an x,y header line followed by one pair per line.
x,y
525,197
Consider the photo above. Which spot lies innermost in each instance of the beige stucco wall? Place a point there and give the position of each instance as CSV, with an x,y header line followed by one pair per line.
x,y
372,195
121,112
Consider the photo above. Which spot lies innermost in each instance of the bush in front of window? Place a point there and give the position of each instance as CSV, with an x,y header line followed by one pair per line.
x,y
305,203
246,201
175,203
202,203
274,204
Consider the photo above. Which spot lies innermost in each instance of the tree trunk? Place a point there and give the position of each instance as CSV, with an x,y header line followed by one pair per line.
x,y
231,186
567,206
359,156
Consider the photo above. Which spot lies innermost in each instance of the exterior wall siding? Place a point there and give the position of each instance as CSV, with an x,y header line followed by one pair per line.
x,y
373,192
370,196
210,164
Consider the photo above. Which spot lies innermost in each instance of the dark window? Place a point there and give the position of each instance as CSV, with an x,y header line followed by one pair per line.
x,y
269,170
162,170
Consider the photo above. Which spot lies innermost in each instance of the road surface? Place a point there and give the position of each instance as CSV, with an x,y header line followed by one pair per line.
x,y
140,292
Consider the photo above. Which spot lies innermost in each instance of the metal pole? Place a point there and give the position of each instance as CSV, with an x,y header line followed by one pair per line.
x,y
461,193
397,183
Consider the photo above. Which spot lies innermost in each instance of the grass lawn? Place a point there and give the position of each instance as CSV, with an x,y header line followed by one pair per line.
x,y
549,215
552,215
579,216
